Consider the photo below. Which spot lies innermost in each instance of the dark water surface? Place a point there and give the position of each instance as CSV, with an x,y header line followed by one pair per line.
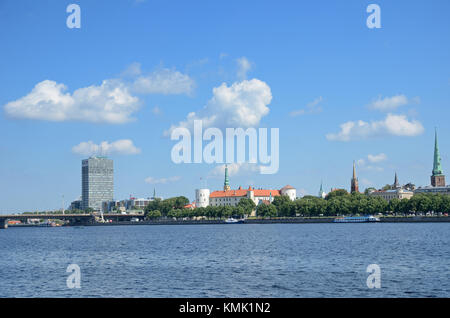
x,y
241,260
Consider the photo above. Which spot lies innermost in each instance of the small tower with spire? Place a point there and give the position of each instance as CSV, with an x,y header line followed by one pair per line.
x,y
354,183
226,184
322,193
396,185
437,176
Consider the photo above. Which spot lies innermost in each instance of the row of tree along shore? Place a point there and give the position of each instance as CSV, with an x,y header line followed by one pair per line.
x,y
336,203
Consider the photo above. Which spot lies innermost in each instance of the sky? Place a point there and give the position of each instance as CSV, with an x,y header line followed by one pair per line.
x,y
337,90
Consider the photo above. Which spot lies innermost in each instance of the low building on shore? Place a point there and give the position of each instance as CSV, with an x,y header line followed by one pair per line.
x,y
388,195
396,191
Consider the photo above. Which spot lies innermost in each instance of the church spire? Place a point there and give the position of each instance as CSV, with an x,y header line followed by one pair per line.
x,y
321,192
437,176
226,184
396,184
437,169
354,183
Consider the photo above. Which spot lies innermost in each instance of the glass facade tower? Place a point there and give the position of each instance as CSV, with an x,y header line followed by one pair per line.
x,y
97,182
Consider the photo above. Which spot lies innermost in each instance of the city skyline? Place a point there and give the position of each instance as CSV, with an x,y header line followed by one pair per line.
x,y
338,91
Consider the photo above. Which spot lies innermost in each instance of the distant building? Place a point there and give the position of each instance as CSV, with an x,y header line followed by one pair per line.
x,y
125,205
97,182
202,198
354,182
396,192
388,195
76,205
437,175
229,197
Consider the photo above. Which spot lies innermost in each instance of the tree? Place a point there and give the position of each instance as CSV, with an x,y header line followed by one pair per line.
x,y
336,193
368,190
266,210
247,204
154,214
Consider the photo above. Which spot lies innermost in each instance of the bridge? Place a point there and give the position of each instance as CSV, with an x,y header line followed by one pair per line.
x,y
73,219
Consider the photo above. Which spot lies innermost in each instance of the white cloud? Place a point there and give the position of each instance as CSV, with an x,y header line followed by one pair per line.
x,y
235,169
244,66
242,104
391,103
374,159
377,158
152,180
311,108
109,102
397,125
164,81
120,147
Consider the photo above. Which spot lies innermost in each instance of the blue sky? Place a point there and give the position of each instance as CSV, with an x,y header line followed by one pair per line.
x,y
321,64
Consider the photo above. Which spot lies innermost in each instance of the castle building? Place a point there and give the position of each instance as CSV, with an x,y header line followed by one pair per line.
x,y
229,197
354,182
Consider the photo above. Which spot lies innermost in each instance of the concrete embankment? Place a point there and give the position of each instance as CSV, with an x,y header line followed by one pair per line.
x,y
298,220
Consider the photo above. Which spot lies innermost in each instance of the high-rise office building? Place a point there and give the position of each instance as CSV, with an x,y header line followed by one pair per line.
x,y
97,182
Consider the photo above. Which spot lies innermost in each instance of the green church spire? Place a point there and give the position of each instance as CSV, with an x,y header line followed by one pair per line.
x,y
226,184
437,168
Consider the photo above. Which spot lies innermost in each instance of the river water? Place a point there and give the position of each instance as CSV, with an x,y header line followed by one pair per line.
x,y
239,260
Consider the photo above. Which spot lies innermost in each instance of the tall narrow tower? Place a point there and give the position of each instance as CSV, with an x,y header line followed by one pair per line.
x,y
396,185
437,176
226,184
354,184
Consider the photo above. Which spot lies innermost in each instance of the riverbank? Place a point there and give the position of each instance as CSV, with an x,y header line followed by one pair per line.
x,y
297,220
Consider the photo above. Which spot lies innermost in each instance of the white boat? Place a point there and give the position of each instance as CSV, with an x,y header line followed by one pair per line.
x,y
356,219
233,221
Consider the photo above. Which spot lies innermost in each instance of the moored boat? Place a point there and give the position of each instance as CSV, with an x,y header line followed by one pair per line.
x,y
233,221
356,219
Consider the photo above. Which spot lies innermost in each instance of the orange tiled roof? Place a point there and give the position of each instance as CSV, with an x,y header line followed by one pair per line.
x,y
243,193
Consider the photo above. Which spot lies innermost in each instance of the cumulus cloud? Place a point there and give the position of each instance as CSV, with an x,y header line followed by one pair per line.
x,y
109,102
244,66
164,81
242,104
391,103
372,159
397,125
113,101
152,180
311,108
235,169
376,158
120,147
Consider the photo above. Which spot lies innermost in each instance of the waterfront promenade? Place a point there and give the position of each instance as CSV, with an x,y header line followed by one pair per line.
x,y
126,219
